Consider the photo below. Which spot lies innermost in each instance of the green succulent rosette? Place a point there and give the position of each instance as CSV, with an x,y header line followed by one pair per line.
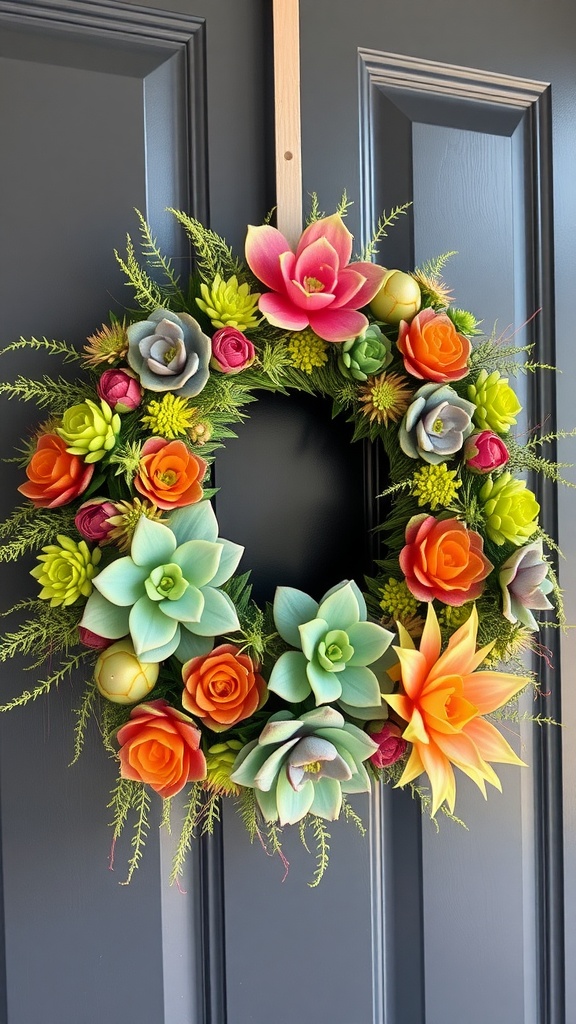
x,y
165,593
66,570
301,765
510,510
497,404
90,429
336,644
365,355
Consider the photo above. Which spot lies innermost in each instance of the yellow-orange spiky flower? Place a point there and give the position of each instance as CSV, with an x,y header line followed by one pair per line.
x,y
107,345
442,699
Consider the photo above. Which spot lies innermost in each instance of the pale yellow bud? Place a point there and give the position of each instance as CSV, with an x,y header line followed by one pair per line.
x,y
121,677
399,298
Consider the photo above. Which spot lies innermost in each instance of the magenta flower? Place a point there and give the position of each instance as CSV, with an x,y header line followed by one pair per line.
x,y
485,452
120,389
391,746
92,519
316,286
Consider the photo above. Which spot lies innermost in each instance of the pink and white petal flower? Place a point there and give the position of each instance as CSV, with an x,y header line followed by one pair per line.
x,y
319,262
374,276
280,312
337,324
335,231
349,285
264,246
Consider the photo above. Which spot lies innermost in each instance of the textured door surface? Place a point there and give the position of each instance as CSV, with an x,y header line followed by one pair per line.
x,y
469,111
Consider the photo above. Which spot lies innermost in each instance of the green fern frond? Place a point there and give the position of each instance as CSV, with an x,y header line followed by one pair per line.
x,y
211,813
50,630
166,819
248,811
344,204
315,212
351,815
322,840
156,259
83,715
33,528
146,292
213,254
45,685
56,395
112,716
433,268
189,825
141,804
122,797
385,221
64,349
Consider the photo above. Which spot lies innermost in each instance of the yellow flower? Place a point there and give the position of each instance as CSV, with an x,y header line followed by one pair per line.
x,y
169,417
66,571
129,515
397,600
307,351
229,304
107,345
435,486
443,699
385,399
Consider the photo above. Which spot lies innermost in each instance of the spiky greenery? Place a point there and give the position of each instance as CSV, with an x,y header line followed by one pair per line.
x,y
385,221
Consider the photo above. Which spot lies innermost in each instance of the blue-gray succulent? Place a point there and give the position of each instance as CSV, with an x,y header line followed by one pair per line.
x,y
436,424
169,352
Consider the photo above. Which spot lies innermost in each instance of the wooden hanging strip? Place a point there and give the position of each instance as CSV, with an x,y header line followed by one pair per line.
x,y
287,117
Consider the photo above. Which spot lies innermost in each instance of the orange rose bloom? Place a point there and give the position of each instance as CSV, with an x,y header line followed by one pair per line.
x,y
169,474
444,560
222,688
432,348
161,747
55,477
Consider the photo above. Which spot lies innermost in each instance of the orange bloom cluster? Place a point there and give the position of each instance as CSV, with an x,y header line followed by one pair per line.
x,y
169,474
222,688
443,699
432,347
55,477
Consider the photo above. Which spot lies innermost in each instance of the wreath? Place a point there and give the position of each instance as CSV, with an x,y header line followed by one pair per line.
x,y
285,710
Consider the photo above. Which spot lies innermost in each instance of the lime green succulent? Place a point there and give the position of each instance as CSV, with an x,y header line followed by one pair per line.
x,y
229,304
365,355
305,764
66,571
497,404
90,429
510,510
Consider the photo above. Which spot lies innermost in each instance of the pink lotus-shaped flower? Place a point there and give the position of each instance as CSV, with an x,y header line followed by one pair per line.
x,y
316,286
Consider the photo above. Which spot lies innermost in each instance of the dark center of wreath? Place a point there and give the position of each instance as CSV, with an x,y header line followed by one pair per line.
x,y
296,493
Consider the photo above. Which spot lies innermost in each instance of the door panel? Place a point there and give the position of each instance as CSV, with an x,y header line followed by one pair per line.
x,y
454,111
108,105
104,107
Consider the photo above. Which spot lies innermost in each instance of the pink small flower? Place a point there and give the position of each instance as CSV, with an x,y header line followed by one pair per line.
x,y
120,389
232,351
485,452
93,640
92,517
391,746
316,286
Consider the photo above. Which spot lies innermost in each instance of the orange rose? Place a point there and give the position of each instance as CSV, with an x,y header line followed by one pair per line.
x,y
169,474
444,560
222,688
161,747
432,347
55,477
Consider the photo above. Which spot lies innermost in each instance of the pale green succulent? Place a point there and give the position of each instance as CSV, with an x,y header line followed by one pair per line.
x,y
336,644
165,593
66,571
90,430
301,765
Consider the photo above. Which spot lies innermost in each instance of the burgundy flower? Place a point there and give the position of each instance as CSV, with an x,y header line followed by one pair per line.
x,y
120,389
391,746
92,517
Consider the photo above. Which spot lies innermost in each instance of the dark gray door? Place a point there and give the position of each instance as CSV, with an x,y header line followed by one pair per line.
x,y
469,110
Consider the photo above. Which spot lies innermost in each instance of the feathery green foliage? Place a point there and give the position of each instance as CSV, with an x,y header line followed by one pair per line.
x,y
385,221
146,292
56,395
213,255
189,825
44,686
32,529
66,352
141,805
83,713
158,261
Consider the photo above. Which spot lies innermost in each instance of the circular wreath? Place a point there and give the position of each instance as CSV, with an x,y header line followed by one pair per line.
x,y
286,709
